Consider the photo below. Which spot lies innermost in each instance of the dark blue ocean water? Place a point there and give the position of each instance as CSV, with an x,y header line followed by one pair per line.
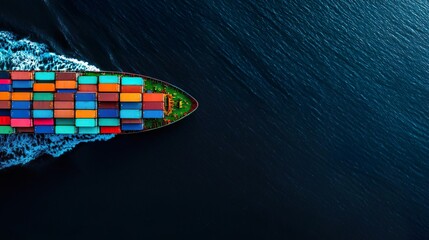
x,y
313,122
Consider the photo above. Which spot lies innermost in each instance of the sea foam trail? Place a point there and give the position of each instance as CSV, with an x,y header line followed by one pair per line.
x,y
23,54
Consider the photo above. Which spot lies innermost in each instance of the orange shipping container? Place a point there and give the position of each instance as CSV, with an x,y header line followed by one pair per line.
x,y
131,97
44,87
86,113
107,87
22,96
5,95
87,88
64,113
65,84
153,97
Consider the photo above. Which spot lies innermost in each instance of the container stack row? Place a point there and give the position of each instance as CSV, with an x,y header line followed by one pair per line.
x,y
153,105
131,103
21,97
5,103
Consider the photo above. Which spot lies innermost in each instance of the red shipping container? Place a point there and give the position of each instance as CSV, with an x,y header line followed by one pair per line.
x,y
5,104
64,105
43,121
131,89
19,75
153,105
4,121
21,122
24,130
5,81
132,121
108,97
65,76
43,105
87,88
64,97
110,129
110,105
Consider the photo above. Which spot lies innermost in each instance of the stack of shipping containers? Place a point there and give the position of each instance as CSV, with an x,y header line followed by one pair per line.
x,y
64,103
153,105
5,97
108,90
43,110
86,105
20,113
131,103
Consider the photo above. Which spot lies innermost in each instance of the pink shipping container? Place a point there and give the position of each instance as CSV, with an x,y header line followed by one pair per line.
x,y
43,121
5,81
21,122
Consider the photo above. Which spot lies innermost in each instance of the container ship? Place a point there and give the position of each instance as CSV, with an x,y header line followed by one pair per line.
x,y
57,102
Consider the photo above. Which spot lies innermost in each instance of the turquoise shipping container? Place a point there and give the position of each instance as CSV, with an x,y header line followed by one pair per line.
x,y
86,122
89,130
130,113
44,76
108,122
132,81
87,80
64,121
108,79
65,129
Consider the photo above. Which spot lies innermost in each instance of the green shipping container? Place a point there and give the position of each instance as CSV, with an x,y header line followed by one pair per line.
x,y
108,122
89,130
108,79
86,122
65,129
87,79
6,130
132,81
64,121
44,76
43,96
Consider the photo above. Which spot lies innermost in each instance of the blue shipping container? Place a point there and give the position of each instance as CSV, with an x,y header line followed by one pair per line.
x,y
66,90
4,75
86,96
87,79
43,113
44,129
108,113
4,112
131,105
5,88
21,104
89,105
22,84
130,113
153,114
20,113
132,127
